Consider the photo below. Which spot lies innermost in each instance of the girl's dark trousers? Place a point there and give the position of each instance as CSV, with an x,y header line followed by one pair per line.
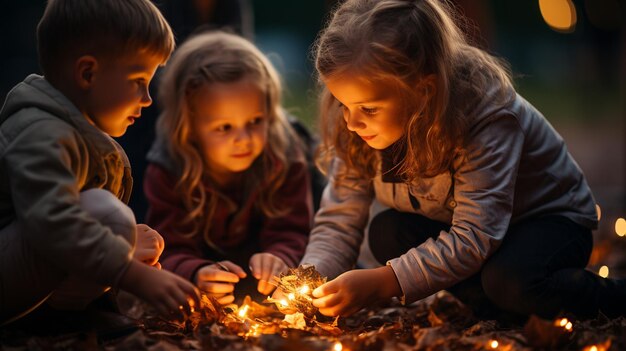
x,y
538,269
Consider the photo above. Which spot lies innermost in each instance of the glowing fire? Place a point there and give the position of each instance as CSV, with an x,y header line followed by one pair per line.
x,y
243,311
565,323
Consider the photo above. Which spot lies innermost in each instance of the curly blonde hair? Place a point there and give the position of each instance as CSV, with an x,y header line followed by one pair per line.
x,y
399,43
219,57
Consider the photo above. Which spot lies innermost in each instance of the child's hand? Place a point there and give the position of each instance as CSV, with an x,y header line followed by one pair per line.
x,y
170,294
218,280
355,289
149,246
264,266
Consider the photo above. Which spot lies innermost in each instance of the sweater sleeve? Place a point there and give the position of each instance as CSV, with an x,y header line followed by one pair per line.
x,y
183,254
338,227
484,188
286,236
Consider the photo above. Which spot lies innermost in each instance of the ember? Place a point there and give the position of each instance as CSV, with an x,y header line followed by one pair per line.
x,y
298,284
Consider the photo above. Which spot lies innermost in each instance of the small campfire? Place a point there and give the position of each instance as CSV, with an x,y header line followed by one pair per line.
x,y
292,323
439,322
293,314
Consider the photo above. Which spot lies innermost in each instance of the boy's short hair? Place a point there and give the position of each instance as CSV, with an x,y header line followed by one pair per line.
x,y
69,29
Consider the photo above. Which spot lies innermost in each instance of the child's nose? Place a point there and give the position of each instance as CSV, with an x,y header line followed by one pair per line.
x,y
242,136
354,121
146,99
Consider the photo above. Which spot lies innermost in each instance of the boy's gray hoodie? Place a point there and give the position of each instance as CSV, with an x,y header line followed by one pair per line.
x,y
49,152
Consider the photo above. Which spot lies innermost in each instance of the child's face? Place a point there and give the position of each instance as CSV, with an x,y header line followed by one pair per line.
x,y
230,122
119,91
371,110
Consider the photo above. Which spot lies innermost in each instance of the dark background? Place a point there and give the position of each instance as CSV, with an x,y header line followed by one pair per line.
x,y
576,78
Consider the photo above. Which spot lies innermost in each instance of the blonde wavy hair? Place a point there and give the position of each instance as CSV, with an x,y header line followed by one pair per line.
x,y
399,43
219,57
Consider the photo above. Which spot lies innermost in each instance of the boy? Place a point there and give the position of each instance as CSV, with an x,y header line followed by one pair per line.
x,y
66,236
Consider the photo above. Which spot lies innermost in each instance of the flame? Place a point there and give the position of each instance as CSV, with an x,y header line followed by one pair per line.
x,y
284,302
291,296
493,344
565,323
191,304
604,271
304,289
599,347
254,331
337,346
243,311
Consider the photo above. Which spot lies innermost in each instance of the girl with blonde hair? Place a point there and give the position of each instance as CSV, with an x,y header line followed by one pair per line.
x,y
479,193
228,184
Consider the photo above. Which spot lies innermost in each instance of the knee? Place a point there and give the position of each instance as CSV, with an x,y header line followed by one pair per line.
x,y
111,212
506,287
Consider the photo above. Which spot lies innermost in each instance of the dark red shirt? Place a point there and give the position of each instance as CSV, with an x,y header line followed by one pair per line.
x,y
233,224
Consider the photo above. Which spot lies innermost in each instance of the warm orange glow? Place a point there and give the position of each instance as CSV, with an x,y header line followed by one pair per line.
x,y
604,271
191,304
563,322
291,296
560,15
337,346
304,289
493,344
620,226
243,311
600,347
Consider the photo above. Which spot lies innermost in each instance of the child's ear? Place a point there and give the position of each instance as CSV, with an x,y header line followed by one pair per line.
x,y
85,70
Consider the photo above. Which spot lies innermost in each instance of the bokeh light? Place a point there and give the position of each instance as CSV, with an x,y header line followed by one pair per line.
x,y
604,271
620,226
560,15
